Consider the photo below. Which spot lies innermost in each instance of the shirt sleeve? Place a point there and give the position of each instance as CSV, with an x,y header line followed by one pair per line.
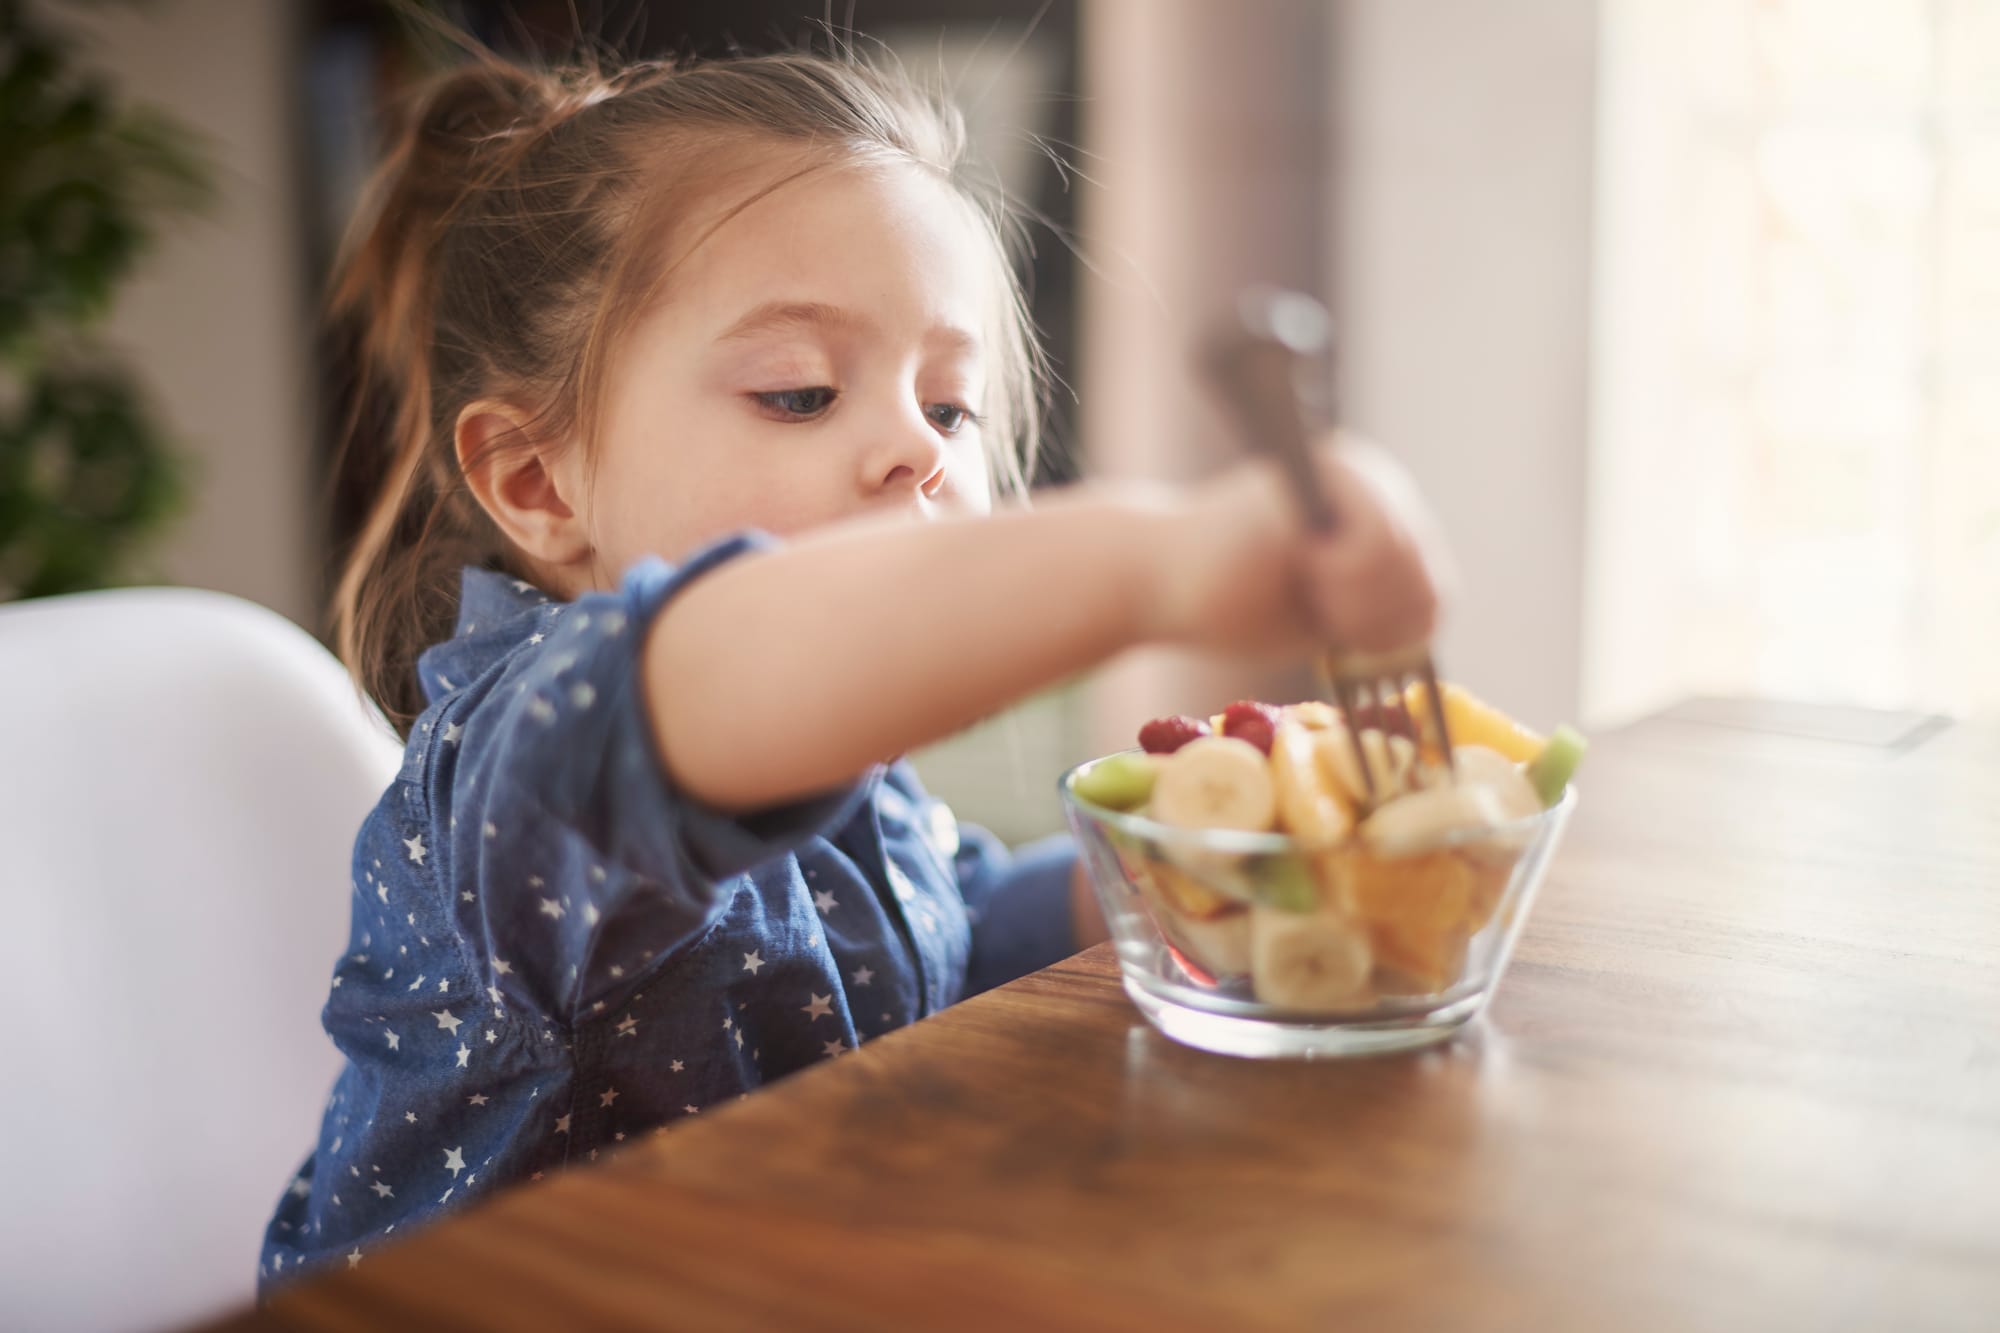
x,y
584,863
1019,903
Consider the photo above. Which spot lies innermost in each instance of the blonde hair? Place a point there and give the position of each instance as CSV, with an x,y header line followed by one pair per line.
x,y
512,234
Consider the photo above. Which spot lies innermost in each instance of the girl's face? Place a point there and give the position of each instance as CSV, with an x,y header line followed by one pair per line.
x,y
818,355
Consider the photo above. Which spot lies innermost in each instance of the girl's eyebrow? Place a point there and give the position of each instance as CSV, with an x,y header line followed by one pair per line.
x,y
818,316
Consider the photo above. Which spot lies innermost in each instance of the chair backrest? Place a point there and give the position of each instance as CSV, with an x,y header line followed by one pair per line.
x,y
182,775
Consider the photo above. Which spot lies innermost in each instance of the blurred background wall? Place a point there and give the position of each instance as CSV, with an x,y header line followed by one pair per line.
x,y
1684,314
218,321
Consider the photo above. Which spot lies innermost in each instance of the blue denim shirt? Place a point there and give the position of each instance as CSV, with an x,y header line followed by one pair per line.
x,y
554,951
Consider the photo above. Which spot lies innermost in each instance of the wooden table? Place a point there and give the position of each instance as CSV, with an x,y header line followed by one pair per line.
x,y
1744,1074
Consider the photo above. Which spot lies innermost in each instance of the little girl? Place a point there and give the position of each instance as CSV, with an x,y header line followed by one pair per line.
x,y
689,390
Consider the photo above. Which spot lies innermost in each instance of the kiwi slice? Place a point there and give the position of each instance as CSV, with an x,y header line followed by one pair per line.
x,y
1118,782
1284,882
1551,770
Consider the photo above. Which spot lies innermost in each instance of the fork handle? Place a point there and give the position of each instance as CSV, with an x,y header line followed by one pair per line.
x,y
1256,366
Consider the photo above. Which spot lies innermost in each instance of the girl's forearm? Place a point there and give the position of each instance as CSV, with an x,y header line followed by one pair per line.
x,y
784,674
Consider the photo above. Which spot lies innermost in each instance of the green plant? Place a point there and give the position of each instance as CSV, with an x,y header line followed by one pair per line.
x,y
85,182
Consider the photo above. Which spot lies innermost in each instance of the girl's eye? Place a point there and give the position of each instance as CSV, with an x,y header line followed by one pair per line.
x,y
949,417
797,404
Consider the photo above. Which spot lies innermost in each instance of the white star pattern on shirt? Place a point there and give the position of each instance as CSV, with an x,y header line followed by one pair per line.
x,y
835,1047
464,1053
551,908
417,849
562,1125
541,709
490,829
752,961
863,975
382,1190
501,969
491,1036
353,1257
677,1066
739,1038
824,900
454,1160
821,1007
536,637
627,1026
608,1096
394,1041
382,891
452,731
690,1109
444,984
446,1021
410,1116
465,896
477,1099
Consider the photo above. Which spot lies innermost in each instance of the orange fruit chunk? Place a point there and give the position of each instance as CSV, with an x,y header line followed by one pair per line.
x,y
1431,891
1490,877
1430,958
1186,894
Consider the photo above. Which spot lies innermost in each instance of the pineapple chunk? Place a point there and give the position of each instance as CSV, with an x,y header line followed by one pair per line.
x,y
1473,721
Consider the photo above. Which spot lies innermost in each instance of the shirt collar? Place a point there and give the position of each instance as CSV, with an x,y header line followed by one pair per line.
x,y
496,614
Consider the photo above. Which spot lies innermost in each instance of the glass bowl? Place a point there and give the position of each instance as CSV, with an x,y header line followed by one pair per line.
x,y
1249,944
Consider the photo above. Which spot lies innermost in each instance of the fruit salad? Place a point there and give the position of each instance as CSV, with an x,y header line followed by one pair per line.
x,y
1366,897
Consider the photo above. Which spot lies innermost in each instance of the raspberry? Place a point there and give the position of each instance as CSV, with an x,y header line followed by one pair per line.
x,y
1164,735
1248,720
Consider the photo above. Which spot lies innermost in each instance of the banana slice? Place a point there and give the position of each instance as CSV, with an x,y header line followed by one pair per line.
x,y
1395,756
1481,766
1312,807
1411,822
1312,962
1313,715
1216,782
1219,946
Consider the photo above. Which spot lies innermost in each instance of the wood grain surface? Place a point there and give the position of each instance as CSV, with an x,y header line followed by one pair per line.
x,y
1743,1074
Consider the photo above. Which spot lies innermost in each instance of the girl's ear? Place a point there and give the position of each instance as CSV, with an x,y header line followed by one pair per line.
x,y
516,477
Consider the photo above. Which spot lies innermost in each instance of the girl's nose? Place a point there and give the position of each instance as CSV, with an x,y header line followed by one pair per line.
x,y
908,455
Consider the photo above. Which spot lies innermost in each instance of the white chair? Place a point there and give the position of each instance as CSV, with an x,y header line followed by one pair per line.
x,y
181,778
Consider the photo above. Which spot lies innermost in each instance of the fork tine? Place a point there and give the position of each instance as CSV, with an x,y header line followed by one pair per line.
x,y
1435,698
1396,711
1348,693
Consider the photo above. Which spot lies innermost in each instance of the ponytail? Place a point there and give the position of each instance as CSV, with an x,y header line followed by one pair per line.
x,y
397,592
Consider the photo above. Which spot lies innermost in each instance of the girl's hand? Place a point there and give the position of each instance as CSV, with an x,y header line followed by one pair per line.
x,y
1241,572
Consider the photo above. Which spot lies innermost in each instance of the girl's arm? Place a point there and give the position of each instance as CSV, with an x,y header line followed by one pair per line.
x,y
786,673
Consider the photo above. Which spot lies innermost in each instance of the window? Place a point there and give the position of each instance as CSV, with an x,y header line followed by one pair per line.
x,y
1795,483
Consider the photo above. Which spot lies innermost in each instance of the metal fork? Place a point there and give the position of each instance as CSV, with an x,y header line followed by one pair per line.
x,y
1264,370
